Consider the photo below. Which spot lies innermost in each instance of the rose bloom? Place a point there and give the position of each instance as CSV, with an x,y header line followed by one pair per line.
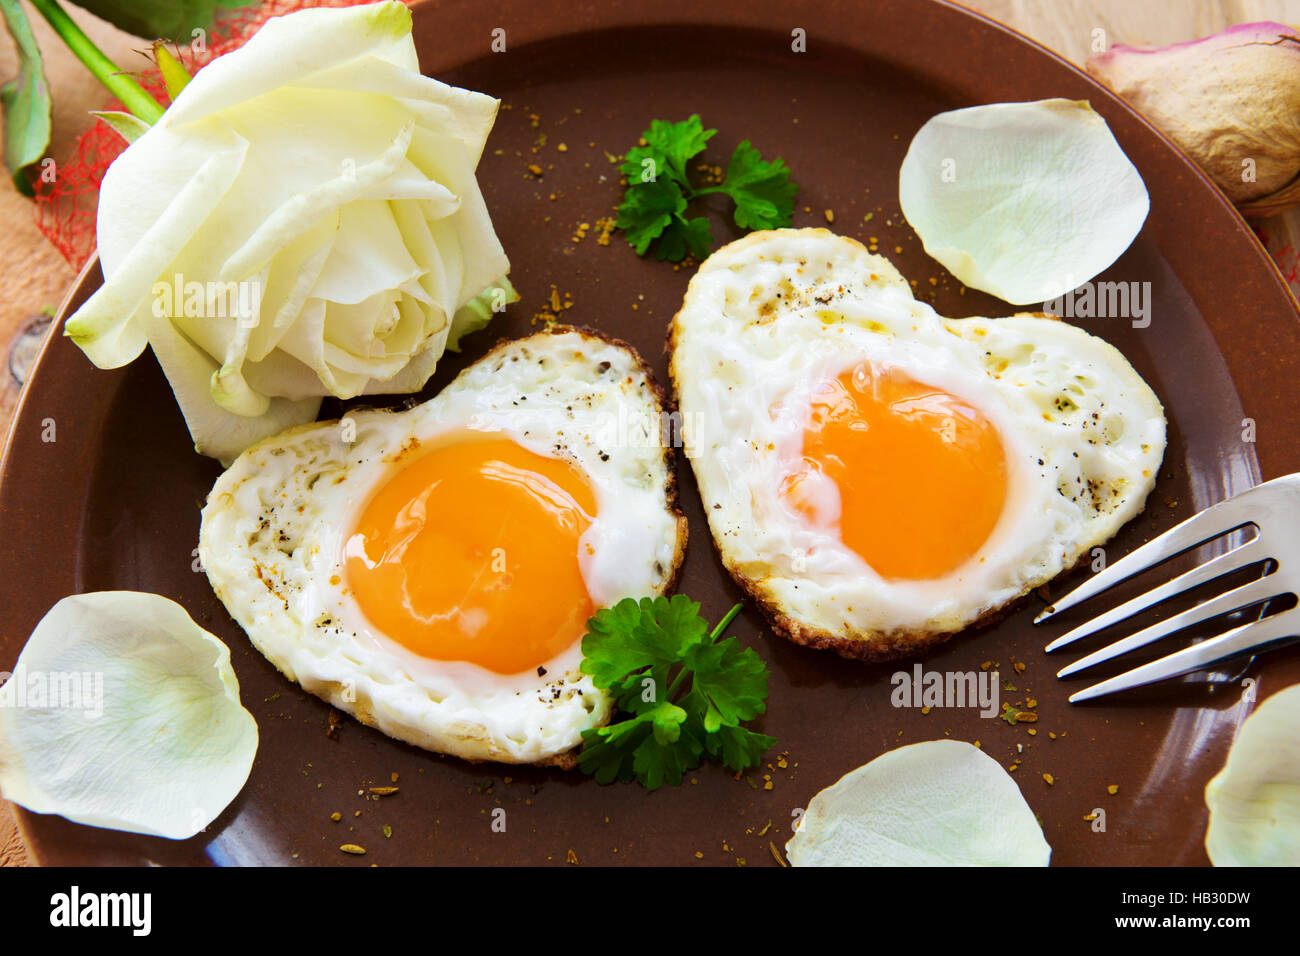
x,y
303,220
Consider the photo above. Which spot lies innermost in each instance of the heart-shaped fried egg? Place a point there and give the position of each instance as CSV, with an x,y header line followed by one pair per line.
x,y
878,476
431,571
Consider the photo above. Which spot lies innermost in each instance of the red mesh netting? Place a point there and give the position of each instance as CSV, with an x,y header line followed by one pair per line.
x,y
1285,255
65,202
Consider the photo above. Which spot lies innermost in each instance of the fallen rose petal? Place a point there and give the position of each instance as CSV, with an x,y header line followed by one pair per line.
x,y
1254,800
1025,201
123,713
936,803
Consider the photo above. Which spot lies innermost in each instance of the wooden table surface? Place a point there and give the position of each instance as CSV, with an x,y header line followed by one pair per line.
x,y
33,276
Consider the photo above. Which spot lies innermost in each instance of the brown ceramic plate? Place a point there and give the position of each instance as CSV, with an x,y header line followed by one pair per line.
x,y
114,501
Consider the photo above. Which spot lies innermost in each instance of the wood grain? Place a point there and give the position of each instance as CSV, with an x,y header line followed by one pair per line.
x,y
33,276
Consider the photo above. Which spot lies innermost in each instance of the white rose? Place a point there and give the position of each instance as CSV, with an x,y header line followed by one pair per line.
x,y
303,221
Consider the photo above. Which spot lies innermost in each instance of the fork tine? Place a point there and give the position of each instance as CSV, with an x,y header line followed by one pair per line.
x,y
1238,557
1219,519
1264,589
1230,644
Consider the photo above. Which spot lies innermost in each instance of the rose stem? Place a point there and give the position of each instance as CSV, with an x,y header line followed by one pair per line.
x,y
133,96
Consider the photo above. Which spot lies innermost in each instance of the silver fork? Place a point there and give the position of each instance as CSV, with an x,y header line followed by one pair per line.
x,y
1273,511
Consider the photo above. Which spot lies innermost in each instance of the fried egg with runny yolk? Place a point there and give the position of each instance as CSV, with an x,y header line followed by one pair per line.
x,y
431,571
916,477
420,560
880,477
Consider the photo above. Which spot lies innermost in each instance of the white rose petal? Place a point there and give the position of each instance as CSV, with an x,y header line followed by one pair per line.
x,y
123,713
1022,200
937,803
1255,799
304,220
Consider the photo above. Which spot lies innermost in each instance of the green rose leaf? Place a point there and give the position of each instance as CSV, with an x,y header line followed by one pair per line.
x,y
26,101
160,19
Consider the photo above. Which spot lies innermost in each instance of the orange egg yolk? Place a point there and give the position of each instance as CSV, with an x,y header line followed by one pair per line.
x,y
922,476
470,553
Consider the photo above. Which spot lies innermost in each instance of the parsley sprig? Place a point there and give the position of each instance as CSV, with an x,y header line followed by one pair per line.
x,y
686,693
659,191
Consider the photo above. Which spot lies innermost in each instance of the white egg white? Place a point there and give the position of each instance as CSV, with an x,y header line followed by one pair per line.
x,y
769,317
273,529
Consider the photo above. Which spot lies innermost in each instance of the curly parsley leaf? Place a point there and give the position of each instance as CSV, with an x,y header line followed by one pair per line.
x,y
659,189
682,235
652,746
647,214
684,692
737,748
763,192
730,684
659,764
631,640
679,142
